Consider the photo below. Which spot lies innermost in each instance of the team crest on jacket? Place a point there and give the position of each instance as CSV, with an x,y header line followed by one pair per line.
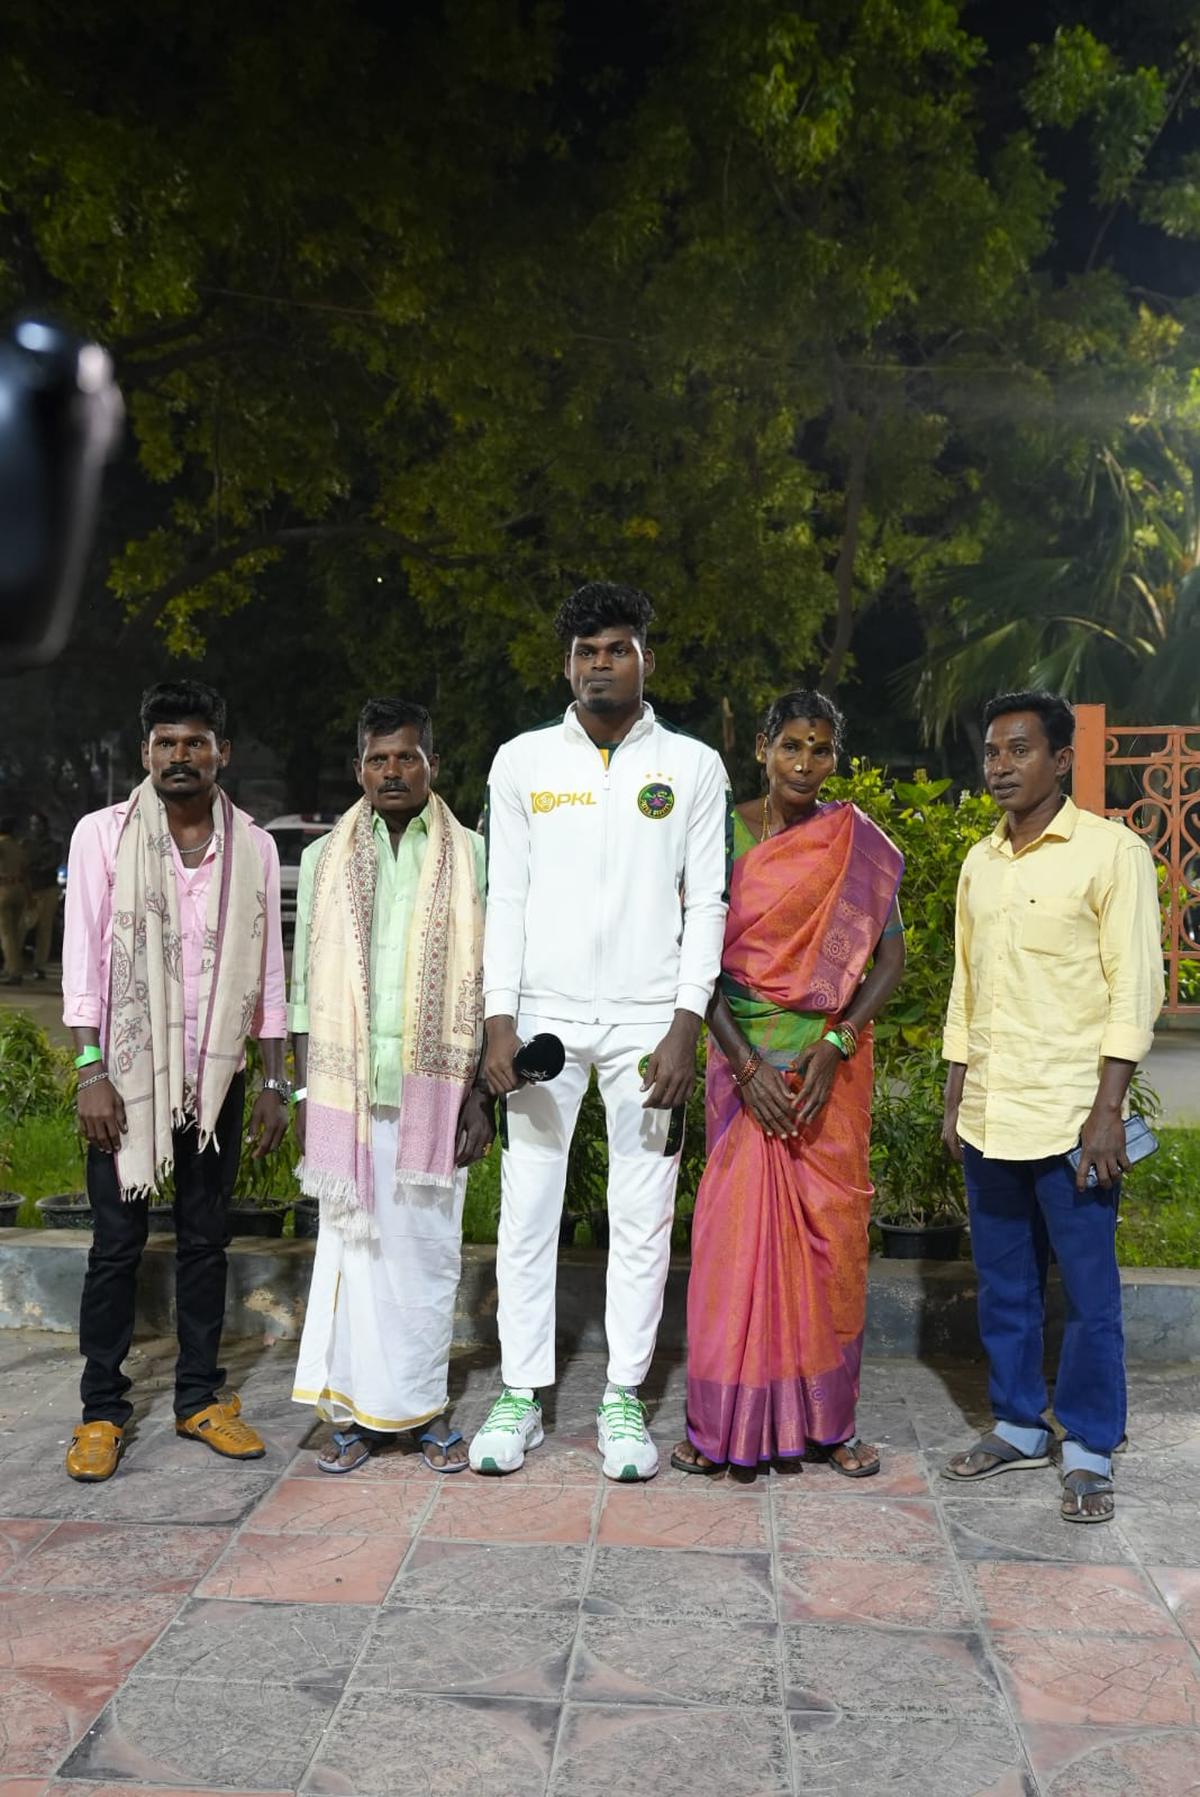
x,y
656,800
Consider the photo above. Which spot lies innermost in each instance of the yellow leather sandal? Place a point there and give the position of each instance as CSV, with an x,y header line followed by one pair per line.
x,y
94,1451
219,1427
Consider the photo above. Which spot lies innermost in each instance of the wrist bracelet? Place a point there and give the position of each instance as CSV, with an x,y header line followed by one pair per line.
x,y
749,1070
300,1094
278,1086
93,1080
835,1037
90,1054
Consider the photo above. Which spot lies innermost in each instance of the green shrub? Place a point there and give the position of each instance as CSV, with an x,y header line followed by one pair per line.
x,y
915,1180
1160,1205
36,1079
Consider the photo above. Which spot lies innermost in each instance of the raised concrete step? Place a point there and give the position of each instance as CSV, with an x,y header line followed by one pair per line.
x,y
916,1308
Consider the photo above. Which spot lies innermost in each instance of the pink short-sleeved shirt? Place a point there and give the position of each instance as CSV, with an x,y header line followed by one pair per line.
x,y
87,932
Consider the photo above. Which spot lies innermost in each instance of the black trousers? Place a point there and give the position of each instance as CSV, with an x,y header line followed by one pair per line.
x,y
203,1186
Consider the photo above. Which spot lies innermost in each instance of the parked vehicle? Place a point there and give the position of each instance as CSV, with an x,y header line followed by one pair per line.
x,y
293,834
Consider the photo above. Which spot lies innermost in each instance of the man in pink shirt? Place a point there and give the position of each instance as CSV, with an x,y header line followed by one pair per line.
x,y
172,955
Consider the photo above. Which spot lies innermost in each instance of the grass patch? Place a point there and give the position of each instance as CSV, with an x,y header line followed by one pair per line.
x,y
1160,1205
47,1157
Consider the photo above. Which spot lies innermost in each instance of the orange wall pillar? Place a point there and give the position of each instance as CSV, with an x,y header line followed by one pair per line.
x,y
1088,781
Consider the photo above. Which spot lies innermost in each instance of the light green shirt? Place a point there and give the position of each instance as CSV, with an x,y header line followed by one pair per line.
x,y
395,894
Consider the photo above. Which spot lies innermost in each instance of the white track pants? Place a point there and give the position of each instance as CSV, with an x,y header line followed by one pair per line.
x,y
641,1200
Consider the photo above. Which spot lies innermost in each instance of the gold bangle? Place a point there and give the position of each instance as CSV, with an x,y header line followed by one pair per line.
x,y
749,1070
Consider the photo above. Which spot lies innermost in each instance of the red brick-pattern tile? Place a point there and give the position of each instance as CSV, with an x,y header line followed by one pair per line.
x,y
43,1713
312,1569
117,1557
912,1594
1106,1600
1086,1679
640,1516
487,1510
334,1504
101,1638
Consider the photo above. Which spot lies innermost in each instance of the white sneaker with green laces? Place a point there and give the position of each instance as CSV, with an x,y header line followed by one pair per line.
x,y
623,1438
512,1425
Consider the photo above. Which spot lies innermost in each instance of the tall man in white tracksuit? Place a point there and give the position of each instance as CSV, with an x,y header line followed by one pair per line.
x,y
607,837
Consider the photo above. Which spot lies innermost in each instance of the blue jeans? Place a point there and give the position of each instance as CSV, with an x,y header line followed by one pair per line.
x,y
1019,1210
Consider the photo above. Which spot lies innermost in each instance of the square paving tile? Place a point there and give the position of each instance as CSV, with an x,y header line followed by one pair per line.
x,y
1124,1762
476,1509
54,1789
463,1575
1180,1587
910,1594
1167,1536
889,1672
460,1651
873,1529
1036,1596
313,1569
641,1516
711,1663
162,1731
256,1643
394,1461
986,1529
490,1745
1088,1680
215,1493
102,1641
657,1582
43,1713
627,1751
110,1557
918,1756
335,1504
902,1473
17,1537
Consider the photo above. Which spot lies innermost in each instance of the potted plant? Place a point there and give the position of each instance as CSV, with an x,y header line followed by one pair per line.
x,y
264,1190
919,1203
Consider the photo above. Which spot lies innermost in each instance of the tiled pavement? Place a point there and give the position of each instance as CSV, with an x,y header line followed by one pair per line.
x,y
199,1627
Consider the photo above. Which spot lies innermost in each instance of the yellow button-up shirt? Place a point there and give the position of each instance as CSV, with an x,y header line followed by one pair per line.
x,y
395,893
1057,967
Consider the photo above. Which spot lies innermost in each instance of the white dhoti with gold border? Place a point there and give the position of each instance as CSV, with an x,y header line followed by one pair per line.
x,y
376,1342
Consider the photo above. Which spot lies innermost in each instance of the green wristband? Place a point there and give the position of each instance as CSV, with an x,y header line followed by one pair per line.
x,y
88,1056
838,1042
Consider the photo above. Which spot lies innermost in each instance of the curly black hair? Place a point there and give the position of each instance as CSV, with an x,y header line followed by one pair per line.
x,y
600,605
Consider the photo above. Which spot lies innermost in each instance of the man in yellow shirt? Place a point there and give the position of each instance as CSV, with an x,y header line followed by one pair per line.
x,y
1058,981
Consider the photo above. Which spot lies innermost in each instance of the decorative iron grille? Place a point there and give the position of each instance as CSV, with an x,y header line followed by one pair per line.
x,y
1148,776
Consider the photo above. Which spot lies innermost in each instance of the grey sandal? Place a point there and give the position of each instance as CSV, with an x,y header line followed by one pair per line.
x,y
1080,1483
1005,1458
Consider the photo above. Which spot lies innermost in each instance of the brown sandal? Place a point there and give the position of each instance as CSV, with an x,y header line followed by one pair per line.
x,y
220,1428
94,1451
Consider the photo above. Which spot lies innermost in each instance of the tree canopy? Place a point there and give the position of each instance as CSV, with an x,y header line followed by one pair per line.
x,y
793,314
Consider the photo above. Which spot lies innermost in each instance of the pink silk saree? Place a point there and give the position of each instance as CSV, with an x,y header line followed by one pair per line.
x,y
777,1295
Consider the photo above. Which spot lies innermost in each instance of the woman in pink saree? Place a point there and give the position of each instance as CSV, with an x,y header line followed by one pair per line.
x,y
814,947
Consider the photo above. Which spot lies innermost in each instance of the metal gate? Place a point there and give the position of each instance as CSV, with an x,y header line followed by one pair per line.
x,y
1148,776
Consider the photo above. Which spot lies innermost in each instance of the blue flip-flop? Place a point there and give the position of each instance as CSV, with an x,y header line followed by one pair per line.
x,y
437,1441
343,1439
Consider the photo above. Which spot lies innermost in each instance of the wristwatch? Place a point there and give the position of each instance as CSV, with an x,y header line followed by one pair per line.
x,y
282,1086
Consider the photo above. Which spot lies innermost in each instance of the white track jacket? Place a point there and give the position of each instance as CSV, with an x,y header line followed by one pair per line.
x,y
607,885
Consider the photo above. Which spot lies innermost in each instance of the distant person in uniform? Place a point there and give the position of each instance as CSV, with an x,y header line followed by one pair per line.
x,y
14,897
44,857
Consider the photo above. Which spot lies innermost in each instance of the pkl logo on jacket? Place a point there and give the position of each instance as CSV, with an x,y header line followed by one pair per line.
x,y
656,800
550,801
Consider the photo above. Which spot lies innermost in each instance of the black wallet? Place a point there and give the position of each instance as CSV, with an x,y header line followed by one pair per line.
x,y
1140,1141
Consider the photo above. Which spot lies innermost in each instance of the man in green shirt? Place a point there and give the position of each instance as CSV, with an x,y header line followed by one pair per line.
x,y
386,1017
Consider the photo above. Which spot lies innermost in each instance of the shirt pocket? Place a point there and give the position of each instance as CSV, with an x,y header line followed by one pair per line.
x,y
1049,927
